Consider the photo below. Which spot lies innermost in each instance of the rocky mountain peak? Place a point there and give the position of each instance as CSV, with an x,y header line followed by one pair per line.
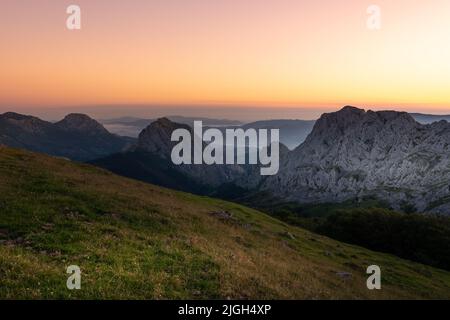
x,y
358,121
156,138
352,154
81,122
338,121
164,123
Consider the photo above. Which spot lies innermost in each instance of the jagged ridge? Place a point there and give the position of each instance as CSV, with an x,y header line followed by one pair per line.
x,y
354,154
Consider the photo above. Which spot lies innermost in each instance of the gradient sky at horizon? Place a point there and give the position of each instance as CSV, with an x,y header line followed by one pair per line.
x,y
286,53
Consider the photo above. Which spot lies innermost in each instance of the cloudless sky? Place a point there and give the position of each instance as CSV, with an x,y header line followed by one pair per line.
x,y
286,53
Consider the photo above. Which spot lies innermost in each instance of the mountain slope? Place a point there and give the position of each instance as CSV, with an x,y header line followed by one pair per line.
x,y
134,240
151,168
77,136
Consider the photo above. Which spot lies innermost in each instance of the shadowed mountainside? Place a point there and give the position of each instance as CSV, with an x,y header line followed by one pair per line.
x,y
76,137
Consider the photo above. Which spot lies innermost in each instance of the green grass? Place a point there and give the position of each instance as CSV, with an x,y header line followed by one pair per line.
x,y
137,241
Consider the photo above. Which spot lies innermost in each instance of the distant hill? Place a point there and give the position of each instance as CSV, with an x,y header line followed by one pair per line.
x,y
137,241
429,118
132,127
292,132
76,137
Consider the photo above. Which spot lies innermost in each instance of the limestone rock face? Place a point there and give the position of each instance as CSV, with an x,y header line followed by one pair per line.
x,y
355,154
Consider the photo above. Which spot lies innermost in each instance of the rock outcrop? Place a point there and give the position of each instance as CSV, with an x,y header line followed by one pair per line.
x,y
353,154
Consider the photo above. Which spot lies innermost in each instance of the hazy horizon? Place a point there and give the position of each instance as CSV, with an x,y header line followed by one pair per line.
x,y
244,114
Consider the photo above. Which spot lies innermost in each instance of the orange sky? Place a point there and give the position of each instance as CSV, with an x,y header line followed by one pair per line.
x,y
236,52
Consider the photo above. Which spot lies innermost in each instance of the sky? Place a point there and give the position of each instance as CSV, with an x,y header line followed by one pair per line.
x,y
276,54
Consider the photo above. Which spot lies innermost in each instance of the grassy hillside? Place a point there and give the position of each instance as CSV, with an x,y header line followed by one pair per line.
x,y
134,240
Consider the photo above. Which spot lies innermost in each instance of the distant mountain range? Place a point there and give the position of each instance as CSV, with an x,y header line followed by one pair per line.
x,y
429,118
292,132
348,155
76,137
132,127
